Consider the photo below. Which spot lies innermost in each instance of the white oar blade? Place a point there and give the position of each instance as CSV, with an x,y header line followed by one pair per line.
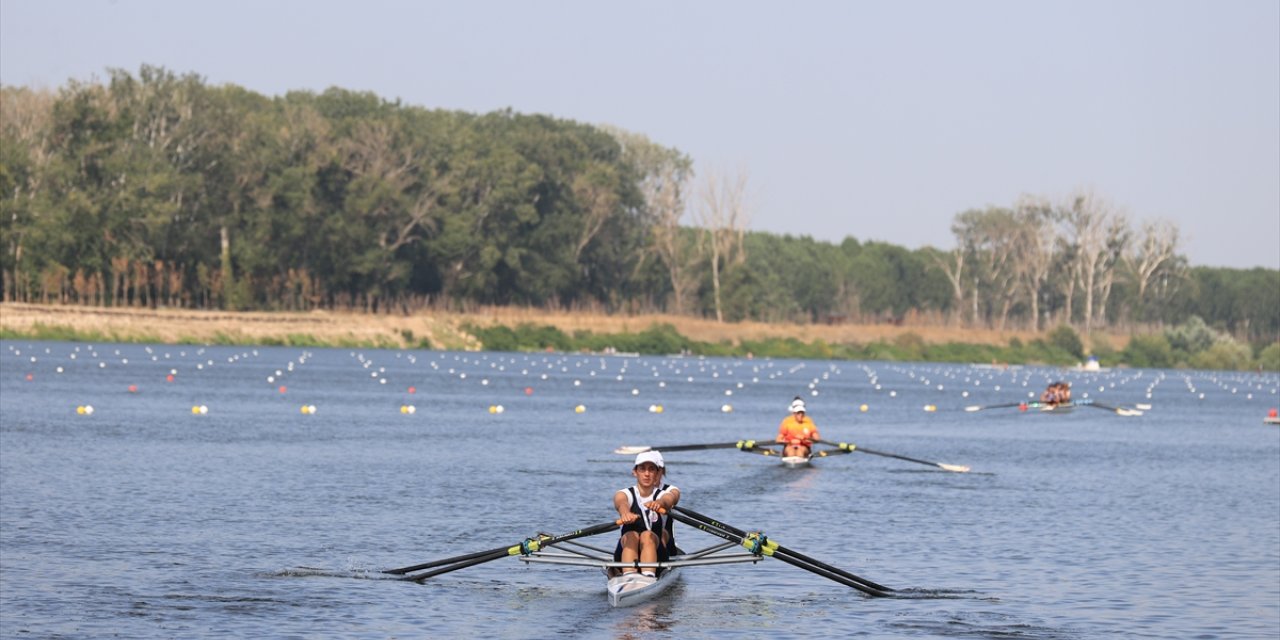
x,y
973,408
1128,412
954,467
1144,407
631,450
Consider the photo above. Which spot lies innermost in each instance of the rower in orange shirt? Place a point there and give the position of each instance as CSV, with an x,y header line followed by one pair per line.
x,y
797,431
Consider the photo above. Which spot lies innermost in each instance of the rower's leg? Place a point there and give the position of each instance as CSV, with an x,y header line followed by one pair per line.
x,y
630,550
648,550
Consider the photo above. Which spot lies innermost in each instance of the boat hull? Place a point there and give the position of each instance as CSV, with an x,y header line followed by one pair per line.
x,y
630,589
795,462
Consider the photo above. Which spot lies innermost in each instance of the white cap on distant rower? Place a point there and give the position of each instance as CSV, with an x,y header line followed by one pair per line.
x,y
797,405
650,456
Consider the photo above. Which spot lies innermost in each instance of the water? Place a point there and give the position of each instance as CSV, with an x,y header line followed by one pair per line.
x,y
144,520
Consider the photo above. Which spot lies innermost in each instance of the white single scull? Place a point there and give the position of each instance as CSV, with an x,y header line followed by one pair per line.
x,y
628,589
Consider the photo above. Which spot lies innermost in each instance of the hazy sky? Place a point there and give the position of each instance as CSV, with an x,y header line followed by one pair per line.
x,y
879,120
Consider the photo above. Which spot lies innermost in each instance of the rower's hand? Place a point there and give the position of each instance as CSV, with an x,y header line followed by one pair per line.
x,y
627,518
655,506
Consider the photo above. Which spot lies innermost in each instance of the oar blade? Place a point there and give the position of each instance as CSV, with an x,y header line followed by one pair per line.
x,y
958,468
631,450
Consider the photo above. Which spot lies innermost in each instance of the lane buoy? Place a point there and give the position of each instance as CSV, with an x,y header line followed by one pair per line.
x,y
863,408
579,409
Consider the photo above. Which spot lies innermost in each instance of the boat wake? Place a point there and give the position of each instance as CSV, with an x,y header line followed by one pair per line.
x,y
914,593
317,572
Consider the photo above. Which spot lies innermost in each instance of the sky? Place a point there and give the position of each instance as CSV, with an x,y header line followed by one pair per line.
x,y
874,119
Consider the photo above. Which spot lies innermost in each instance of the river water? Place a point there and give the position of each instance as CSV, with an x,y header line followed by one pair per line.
x,y
147,516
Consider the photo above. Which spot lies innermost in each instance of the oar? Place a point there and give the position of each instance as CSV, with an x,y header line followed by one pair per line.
x,y
761,545
847,446
979,407
738,444
529,545
1117,410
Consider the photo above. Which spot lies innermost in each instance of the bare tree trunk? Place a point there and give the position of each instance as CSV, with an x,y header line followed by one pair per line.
x,y
723,218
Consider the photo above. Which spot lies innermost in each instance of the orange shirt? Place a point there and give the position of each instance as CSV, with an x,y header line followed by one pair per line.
x,y
803,429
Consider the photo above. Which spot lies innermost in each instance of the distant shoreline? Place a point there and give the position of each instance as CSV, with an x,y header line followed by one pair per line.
x,y
442,330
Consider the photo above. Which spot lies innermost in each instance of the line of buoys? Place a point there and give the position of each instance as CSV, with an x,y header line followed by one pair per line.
x,y
308,409
85,410
199,409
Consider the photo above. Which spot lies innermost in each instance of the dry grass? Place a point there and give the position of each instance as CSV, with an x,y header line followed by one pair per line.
x,y
442,330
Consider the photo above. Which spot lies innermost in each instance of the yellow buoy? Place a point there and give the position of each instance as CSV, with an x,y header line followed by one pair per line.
x,y
863,408
80,410
579,409
195,410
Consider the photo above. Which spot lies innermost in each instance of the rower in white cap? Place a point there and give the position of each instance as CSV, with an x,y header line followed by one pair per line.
x,y
642,510
797,431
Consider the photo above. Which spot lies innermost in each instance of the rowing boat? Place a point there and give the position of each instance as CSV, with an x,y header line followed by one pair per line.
x,y
774,449
1064,407
629,589
795,462
632,587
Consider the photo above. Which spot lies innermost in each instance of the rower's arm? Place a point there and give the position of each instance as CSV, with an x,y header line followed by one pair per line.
x,y
665,501
625,515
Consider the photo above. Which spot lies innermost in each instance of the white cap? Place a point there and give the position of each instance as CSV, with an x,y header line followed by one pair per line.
x,y
650,456
797,405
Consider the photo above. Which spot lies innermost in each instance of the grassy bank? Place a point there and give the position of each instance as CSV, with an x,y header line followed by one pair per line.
x,y
505,329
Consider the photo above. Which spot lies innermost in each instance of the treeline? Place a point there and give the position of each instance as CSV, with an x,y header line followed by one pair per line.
x,y
156,189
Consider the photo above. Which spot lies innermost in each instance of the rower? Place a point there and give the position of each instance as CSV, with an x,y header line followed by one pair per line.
x,y
647,535
797,431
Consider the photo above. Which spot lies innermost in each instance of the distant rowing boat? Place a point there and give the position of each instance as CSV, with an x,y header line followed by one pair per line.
x,y
774,449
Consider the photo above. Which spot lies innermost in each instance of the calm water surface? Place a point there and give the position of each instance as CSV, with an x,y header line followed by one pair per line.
x,y
143,519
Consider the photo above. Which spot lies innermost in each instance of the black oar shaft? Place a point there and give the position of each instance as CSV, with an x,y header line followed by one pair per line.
x,y
793,558
789,552
480,557
446,561
419,577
